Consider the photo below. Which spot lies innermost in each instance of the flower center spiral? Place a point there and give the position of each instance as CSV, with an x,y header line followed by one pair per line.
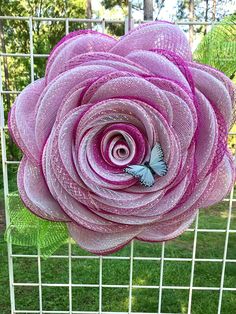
x,y
122,144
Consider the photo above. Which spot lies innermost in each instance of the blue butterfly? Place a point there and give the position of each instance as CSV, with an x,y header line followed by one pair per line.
x,y
146,172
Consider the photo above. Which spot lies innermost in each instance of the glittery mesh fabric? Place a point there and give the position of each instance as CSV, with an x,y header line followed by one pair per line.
x,y
102,106
27,229
217,47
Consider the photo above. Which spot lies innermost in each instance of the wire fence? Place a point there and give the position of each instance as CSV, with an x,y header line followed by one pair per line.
x,y
131,257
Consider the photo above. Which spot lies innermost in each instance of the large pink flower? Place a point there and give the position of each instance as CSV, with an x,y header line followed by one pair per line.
x,y
102,106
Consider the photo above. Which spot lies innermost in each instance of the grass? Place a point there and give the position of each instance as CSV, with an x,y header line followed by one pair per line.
x,y
116,272
145,272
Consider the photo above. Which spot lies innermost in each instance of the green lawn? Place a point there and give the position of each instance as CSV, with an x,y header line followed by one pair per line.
x,y
145,273
116,272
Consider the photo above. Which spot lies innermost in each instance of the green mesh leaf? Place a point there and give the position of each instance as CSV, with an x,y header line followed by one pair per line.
x,y
27,229
218,47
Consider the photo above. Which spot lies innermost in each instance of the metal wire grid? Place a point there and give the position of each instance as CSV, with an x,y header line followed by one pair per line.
x,y
131,258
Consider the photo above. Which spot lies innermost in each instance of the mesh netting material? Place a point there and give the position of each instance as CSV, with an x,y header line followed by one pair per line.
x,y
103,105
27,229
217,47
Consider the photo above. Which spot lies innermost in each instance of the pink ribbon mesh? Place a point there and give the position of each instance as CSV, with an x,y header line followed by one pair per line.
x,y
102,106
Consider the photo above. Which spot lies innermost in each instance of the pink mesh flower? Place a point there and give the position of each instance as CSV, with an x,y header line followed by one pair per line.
x,y
102,106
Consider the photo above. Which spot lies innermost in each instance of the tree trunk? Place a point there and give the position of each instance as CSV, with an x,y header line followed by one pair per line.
x,y
206,15
148,10
89,13
191,19
213,10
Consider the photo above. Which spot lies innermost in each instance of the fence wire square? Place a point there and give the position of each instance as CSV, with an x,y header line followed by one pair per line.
x,y
86,283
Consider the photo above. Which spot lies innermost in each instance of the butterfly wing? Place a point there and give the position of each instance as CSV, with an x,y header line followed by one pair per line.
x,y
157,162
142,172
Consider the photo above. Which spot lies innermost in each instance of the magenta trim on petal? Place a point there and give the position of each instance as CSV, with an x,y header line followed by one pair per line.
x,y
52,210
69,36
102,107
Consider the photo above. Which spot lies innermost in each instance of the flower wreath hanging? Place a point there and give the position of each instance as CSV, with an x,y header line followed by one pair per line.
x,y
123,139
